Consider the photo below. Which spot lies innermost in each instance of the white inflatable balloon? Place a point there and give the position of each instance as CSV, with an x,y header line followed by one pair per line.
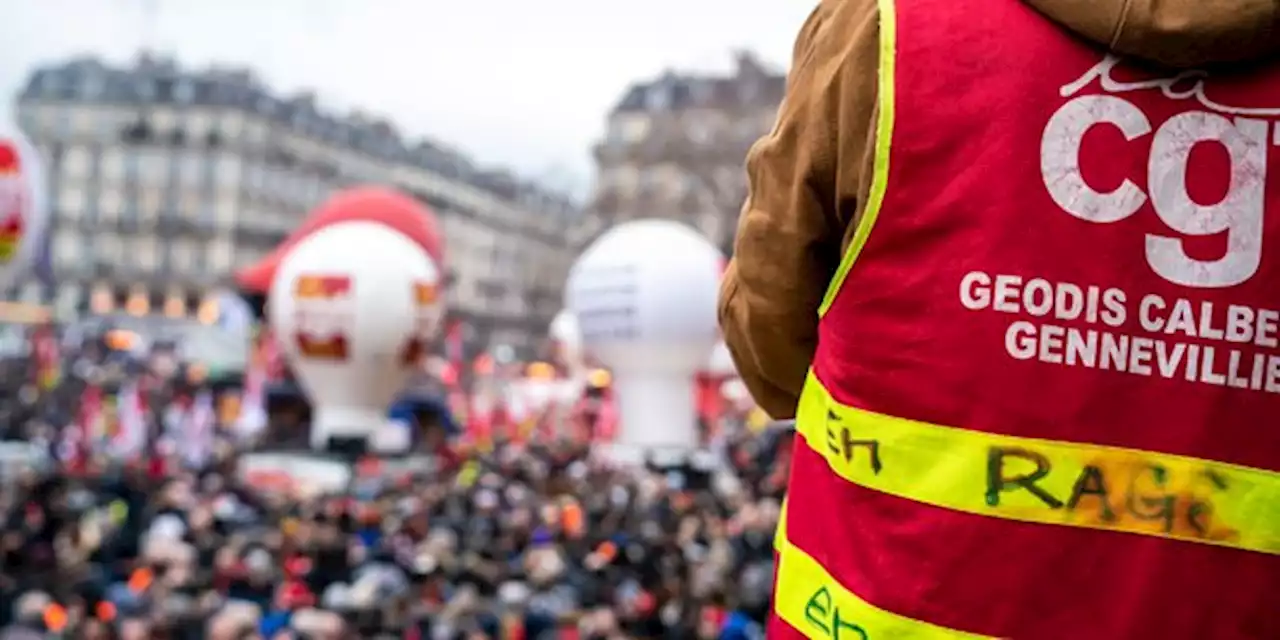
x,y
645,297
353,306
24,212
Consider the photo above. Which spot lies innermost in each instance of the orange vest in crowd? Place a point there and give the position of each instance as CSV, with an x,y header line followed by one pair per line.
x,y
1045,398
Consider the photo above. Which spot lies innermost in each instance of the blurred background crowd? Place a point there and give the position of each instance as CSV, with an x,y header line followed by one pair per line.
x,y
137,505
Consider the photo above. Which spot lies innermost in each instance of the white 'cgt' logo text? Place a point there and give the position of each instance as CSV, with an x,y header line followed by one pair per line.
x,y
1245,133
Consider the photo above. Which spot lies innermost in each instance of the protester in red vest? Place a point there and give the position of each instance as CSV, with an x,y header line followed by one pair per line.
x,y
1012,266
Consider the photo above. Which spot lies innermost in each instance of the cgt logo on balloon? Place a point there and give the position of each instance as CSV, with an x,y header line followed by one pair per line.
x,y
426,299
323,316
13,201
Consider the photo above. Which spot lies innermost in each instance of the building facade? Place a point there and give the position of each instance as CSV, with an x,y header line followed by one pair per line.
x,y
164,181
674,148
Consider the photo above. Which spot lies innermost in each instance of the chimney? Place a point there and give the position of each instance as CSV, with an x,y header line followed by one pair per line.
x,y
747,64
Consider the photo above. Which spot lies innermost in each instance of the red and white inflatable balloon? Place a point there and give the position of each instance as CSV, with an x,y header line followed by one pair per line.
x,y
24,212
354,304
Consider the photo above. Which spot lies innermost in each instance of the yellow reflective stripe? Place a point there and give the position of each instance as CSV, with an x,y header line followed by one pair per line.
x,y
780,536
884,138
811,600
1045,481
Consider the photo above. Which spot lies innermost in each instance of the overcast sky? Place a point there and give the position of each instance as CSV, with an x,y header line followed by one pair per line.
x,y
521,83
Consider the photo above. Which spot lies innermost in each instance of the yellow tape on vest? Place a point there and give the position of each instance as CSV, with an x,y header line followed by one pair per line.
x,y
1045,481
809,599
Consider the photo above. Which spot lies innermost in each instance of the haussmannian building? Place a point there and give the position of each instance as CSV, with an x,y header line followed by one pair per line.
x,y
163,181
675,146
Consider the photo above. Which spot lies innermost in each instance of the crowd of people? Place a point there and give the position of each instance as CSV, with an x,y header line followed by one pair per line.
x,y
537,539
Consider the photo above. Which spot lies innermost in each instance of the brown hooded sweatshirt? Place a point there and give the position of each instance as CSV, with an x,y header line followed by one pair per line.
x,y
810,177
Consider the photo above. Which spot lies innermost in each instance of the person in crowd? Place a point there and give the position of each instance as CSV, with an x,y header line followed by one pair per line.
x,y
965,214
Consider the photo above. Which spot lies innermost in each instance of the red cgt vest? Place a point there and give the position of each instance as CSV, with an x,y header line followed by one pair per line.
x,y
1046,398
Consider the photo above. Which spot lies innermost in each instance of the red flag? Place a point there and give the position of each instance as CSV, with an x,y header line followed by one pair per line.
x,y
500,420
607,421
709,401
545,429
459,404
78,438
48,360
267,355
480,422
90,417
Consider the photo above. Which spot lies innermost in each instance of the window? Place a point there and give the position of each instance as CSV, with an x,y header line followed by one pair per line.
x,y
625,179
221,256
164,256
281,185
92,211
658,97
208,172
71,200
699,131
47,81
255,178
84,121
231,125
184,92
228,205
110,202
255,133
152,166
75,162
301,189
62,126
129,210
132,167
208,214
191,207
88,255
174,166
199,259
198,125
111,164
146,89
193,168
149,204
273,180
66,249
92,85
48,118
306,189
106,127
109,248
702,91
228,169
145,251
162,122
180,256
